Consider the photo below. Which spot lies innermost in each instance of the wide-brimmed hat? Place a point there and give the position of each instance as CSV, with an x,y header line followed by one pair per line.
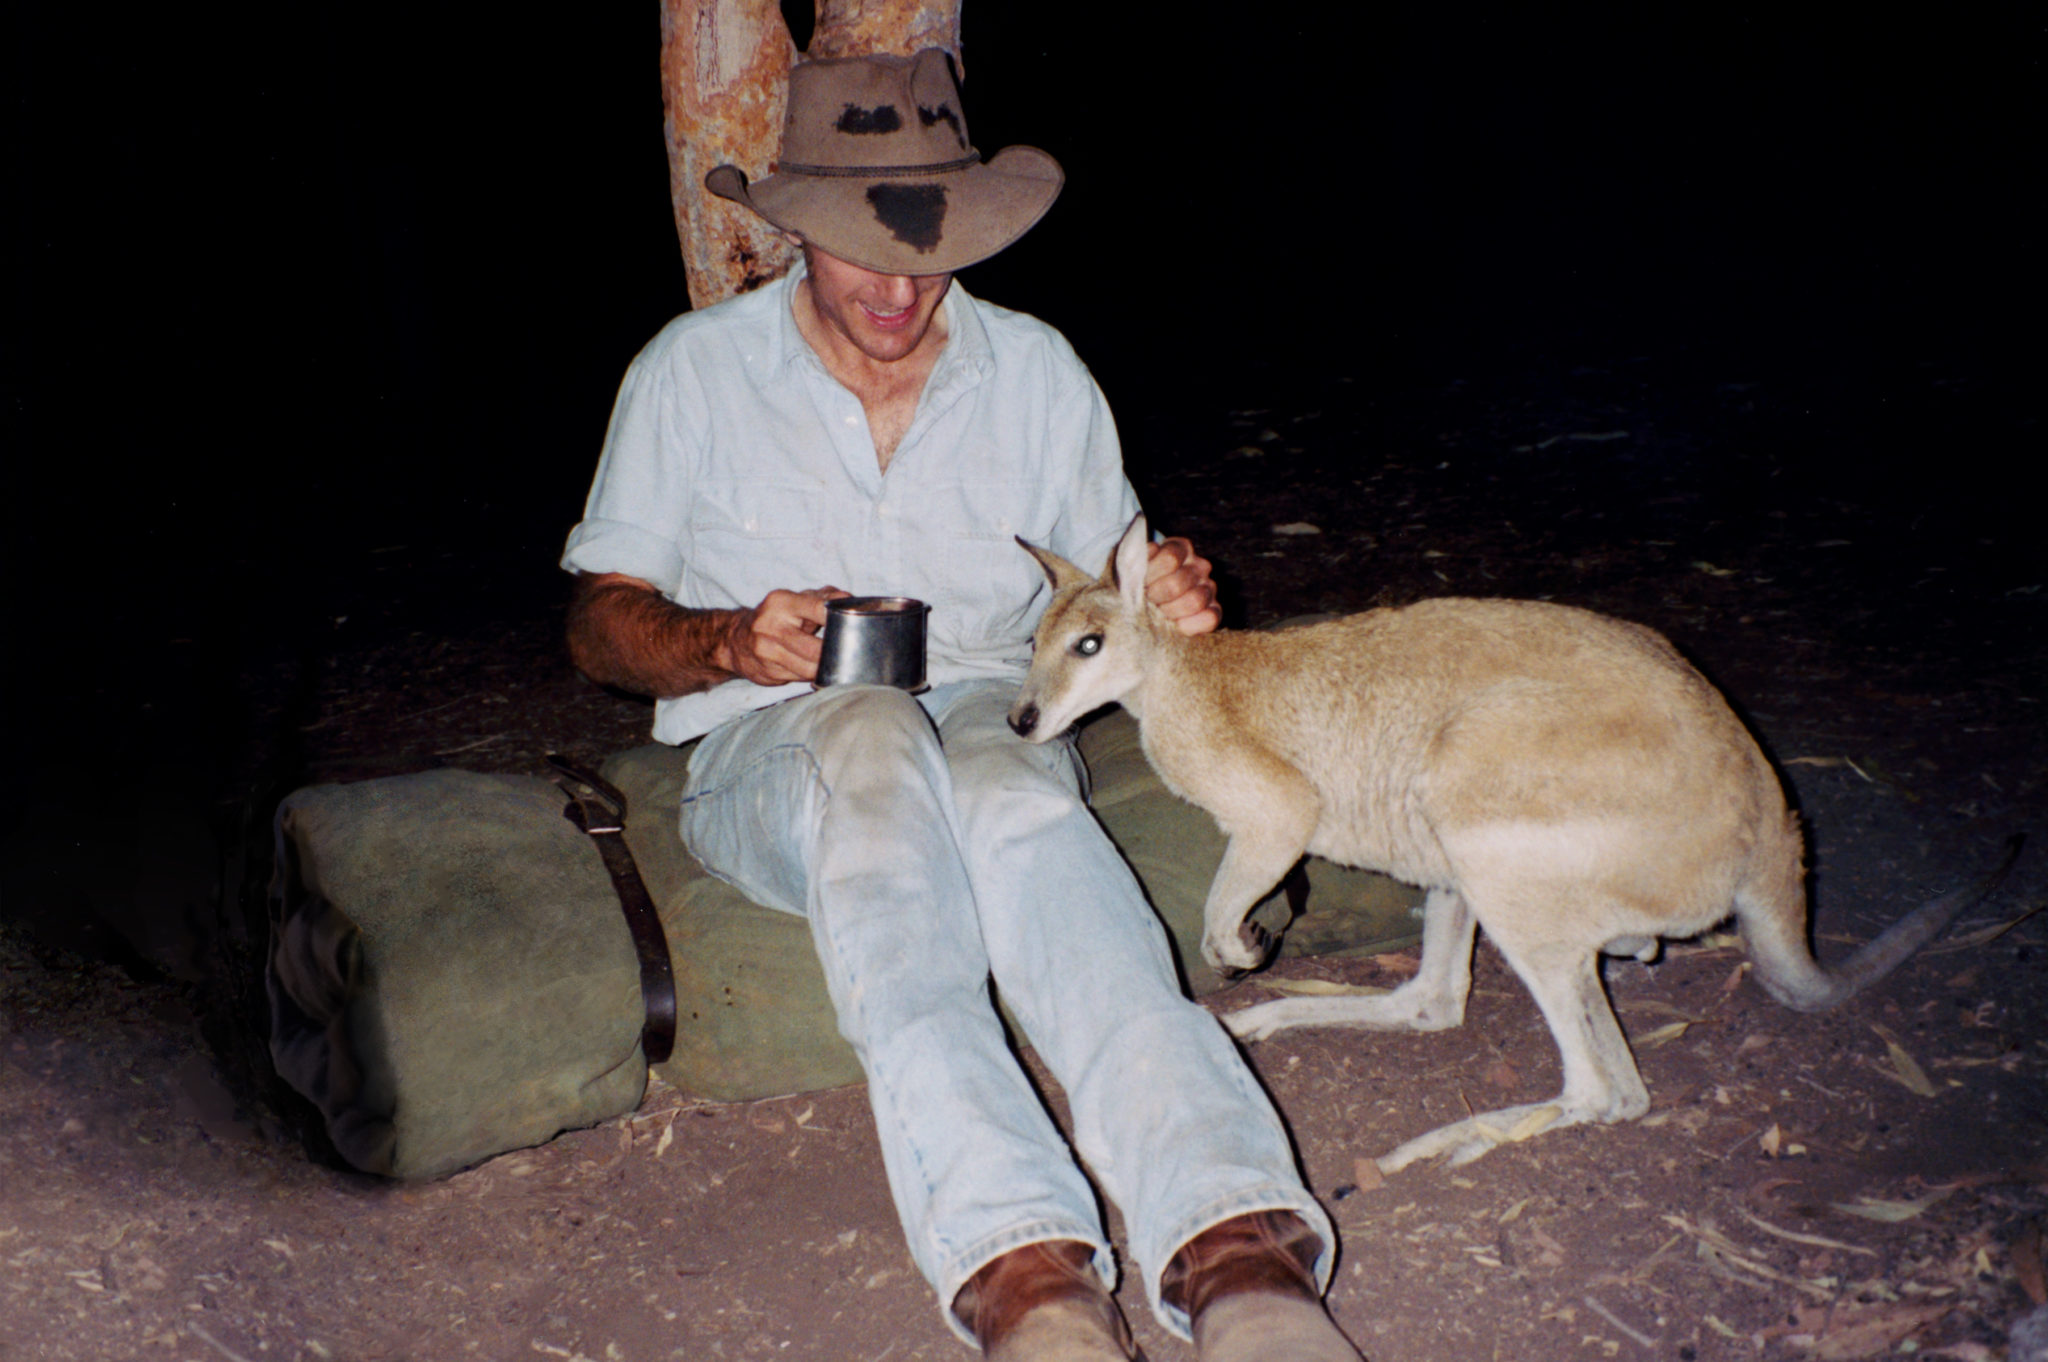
x,y
876,169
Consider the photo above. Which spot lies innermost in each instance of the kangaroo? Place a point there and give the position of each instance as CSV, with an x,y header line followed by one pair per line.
x,y
1564,779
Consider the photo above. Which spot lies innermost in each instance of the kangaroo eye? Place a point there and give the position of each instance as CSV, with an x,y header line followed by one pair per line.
x,y
1088,645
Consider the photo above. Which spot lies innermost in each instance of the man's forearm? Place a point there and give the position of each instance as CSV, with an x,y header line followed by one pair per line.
x,y
626,635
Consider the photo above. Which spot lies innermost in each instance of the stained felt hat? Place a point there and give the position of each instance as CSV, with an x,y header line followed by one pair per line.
x,y
876,169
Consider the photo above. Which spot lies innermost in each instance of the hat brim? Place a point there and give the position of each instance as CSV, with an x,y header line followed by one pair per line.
x,y
916,224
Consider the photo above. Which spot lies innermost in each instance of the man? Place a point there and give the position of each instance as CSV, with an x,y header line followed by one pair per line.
x,y
865,424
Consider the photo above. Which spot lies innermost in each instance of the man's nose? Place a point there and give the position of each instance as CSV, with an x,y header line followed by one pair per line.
x,y
897,290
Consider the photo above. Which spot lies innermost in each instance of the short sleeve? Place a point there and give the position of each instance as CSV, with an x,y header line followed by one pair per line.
x,y
1101,502
633,521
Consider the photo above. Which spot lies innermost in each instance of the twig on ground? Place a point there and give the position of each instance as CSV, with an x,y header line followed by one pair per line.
x,y
1812,1240
1597,1308
223,1349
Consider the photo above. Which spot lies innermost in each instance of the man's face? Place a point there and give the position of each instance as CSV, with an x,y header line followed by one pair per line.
x,y
884,316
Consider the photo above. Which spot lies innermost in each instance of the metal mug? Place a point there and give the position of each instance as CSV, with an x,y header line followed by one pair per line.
x,y
877,640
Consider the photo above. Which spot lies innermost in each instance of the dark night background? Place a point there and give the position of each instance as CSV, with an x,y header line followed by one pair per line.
x,y
297,285
1726,318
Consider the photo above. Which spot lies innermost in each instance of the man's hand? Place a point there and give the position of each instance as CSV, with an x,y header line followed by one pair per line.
x,y
777,642
1177,581
624,633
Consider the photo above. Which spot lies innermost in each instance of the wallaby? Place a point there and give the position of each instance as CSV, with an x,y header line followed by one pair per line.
x,y
1563,778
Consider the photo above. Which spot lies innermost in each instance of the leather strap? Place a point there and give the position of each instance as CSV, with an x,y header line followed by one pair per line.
x,y
599,809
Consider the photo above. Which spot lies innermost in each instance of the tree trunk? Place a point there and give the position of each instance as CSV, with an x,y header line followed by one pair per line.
x,y
724,75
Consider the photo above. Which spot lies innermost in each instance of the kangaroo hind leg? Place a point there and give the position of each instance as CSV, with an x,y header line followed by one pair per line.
x,y
1434,1000
1601,1082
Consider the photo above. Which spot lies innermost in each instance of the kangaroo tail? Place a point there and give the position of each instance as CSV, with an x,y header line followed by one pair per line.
x,y
1789,973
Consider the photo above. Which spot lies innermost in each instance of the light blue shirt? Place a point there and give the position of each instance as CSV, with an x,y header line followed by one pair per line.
x,y
736,465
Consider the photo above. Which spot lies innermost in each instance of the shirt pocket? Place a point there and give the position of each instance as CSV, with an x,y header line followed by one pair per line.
x,y
989,590
745,537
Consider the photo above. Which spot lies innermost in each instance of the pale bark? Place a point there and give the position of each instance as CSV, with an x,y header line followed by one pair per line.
x,y
724,73
857,28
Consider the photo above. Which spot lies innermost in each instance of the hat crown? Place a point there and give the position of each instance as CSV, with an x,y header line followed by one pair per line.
x,y
898,112
876,169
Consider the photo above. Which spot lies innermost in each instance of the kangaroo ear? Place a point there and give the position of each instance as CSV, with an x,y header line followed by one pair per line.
x,y
1058,570
1127,565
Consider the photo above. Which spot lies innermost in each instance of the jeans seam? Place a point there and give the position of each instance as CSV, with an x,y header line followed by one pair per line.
x,y
754,763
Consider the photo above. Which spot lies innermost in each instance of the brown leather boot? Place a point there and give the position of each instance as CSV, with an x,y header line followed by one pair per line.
x,y
1044,1303
1249,1285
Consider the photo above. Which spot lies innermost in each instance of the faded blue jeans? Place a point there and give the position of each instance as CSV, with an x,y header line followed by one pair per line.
x,y
930,848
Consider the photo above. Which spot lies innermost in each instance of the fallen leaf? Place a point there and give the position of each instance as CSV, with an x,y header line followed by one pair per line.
x,y
1770,1140
1905,1070
1892,1212
1729,1259
1813,1240
1366,1173
1879,1334
1663,1035
1297,527
1964,1350
1659,1007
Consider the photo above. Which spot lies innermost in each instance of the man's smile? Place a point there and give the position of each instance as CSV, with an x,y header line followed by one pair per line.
x,y
887,321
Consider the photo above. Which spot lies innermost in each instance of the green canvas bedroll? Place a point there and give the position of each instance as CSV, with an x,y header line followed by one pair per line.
x,y
451,975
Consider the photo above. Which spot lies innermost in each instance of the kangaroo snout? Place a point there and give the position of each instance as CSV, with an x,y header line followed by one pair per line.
x,y
1024,719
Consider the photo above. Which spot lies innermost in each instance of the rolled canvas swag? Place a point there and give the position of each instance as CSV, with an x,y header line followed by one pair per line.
x,y
451,975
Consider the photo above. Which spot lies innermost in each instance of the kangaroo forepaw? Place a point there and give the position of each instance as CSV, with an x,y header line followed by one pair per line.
x,y
1240,952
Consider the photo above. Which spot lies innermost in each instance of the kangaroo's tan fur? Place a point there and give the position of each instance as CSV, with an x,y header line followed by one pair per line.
x,y
1564,779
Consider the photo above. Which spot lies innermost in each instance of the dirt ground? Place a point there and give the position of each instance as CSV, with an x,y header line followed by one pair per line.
x,y
1858,1184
